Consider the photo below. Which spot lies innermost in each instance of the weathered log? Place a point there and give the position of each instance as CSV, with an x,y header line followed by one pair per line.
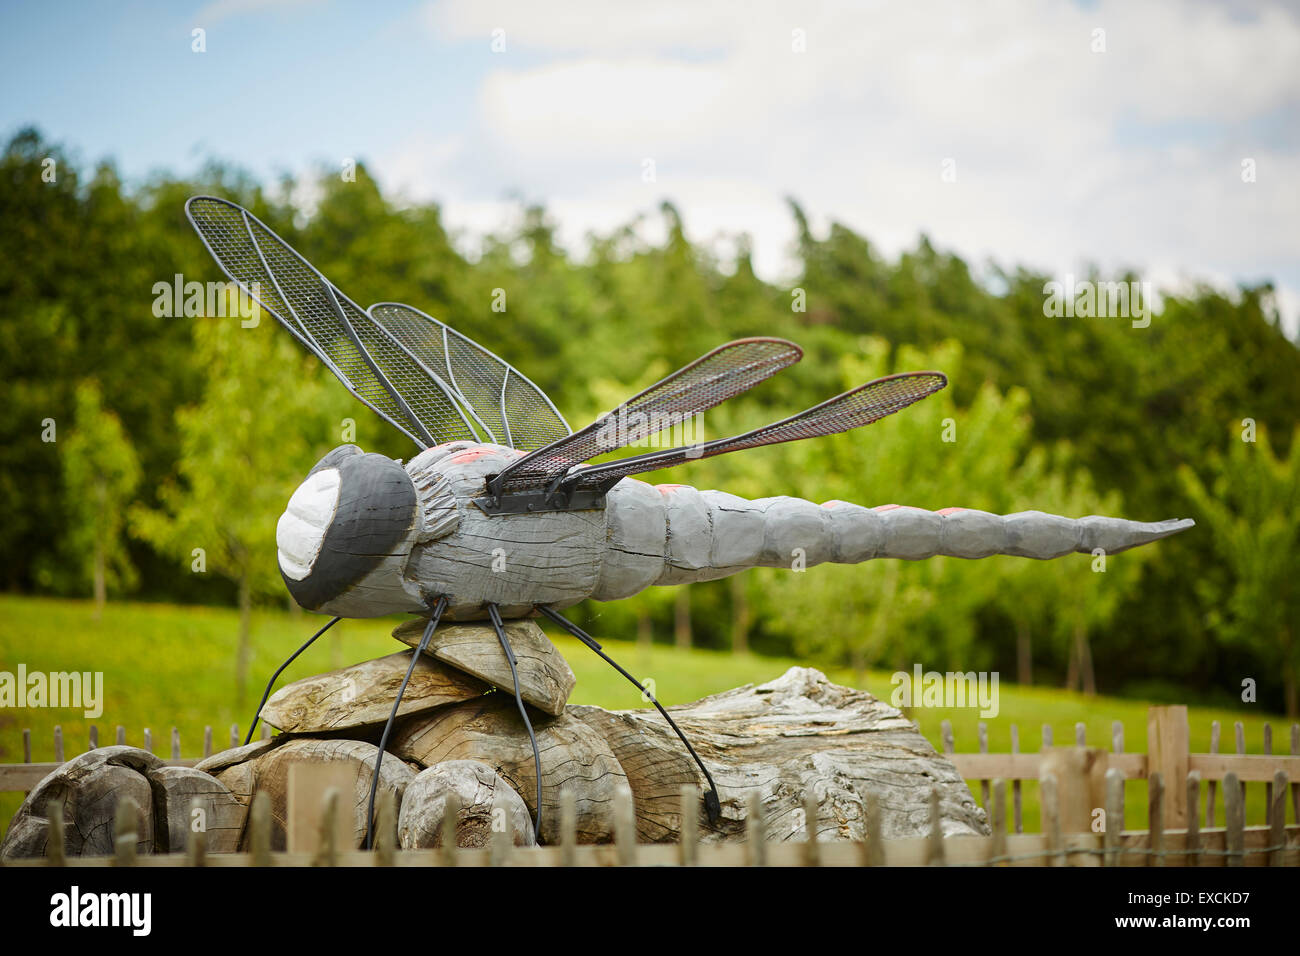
x,y
545,679
782,739
217,813
269,773
238,755
91,786
486,801
364,693
490,731
773,745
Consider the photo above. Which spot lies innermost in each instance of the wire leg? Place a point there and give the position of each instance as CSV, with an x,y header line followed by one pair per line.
x,y
711,803
276,676
388,727
495,614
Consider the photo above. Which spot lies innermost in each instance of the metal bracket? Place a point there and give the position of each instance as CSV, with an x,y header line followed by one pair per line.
x,y
532,502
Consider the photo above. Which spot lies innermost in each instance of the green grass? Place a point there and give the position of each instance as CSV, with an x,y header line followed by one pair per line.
x,y
168,666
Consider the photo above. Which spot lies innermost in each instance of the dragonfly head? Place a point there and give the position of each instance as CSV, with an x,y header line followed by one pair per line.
x,y
344,526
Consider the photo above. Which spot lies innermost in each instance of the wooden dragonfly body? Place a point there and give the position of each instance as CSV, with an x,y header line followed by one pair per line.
x,y
440,542
501,511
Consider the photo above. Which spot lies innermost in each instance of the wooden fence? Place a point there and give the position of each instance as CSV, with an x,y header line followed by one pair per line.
x,y
1081,793
21,777
1083,769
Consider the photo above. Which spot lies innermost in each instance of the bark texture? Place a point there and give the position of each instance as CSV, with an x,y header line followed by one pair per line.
x,y
796,735
90,787
545,678
363,694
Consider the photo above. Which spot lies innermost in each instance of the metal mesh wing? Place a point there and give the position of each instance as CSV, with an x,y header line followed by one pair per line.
x,y
708,381
373,364
506,406
861,406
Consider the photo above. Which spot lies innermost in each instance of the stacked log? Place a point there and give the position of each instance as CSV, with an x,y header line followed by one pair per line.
x,y
459,741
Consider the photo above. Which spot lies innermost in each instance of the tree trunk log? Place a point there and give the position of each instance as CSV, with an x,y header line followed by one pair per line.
x,y
740,615
270,772
1024,654
92,784
363,694
484,796
545,678
782,739
791,744
489,730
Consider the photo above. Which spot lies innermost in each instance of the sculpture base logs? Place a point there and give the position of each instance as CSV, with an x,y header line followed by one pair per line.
x,y
459,732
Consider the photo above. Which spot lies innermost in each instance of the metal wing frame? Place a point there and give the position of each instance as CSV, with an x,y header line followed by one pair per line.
x,y
392,357
585,487
508,407
855,408
713,378
375,365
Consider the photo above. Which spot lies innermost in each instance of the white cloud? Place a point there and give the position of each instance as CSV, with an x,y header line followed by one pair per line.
x,y
1064,156
612,108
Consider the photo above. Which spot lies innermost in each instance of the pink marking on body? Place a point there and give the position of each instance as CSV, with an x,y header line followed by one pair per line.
x,y
885,507
950,511
470,454
665,489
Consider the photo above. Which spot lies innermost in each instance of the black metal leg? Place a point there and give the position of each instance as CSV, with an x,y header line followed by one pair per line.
x,y
276,676
711,803
495,614
388,727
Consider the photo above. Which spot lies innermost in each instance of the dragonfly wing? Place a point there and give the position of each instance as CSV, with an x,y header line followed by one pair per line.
x,y
708,381
860,406
504,404
375,366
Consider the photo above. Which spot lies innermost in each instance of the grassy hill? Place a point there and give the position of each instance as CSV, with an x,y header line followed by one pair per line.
x,y
169,666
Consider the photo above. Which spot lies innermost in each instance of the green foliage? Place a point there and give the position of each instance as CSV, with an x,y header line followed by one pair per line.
x,y
1056,414
262,414
100,473
1250,505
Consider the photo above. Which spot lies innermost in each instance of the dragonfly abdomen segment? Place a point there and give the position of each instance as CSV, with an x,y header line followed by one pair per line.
x,y
675,534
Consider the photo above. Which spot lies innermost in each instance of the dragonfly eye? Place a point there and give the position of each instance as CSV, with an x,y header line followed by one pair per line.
x,y
352,511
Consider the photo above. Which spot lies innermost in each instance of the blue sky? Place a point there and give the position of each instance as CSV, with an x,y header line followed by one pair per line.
x,y
278,86
1127,155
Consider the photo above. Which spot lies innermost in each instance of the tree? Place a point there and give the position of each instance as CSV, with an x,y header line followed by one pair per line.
x,y
1249,504
265,416
82,250
100,474
1069,597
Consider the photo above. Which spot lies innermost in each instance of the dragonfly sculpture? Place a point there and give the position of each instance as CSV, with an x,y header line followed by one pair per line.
x,y
501,514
